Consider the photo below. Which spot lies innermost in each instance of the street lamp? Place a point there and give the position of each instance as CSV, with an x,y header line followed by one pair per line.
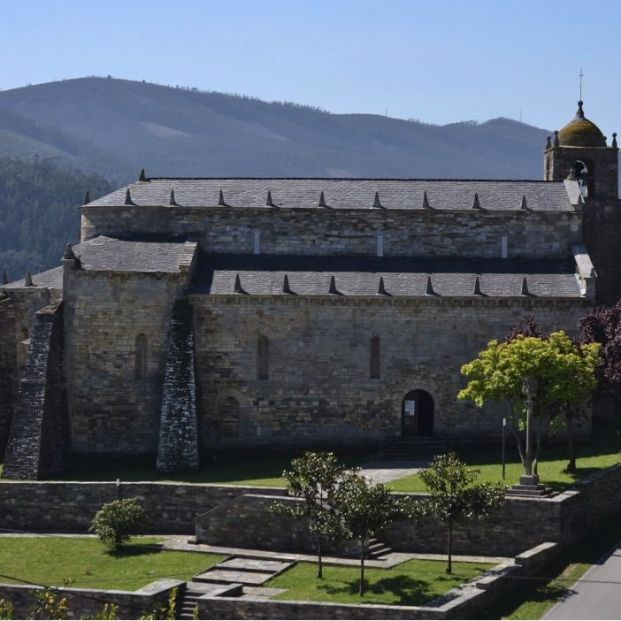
x,y
529,387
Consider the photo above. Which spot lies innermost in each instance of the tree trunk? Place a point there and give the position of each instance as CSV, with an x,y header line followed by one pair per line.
x,y
518,439
571,466
361,586
319,559
538,435
449,547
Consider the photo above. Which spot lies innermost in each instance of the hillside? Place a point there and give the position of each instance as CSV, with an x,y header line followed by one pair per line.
x,y
115,127
38,213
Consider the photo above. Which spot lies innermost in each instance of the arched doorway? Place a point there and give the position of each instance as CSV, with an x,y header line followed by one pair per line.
x,y
417,414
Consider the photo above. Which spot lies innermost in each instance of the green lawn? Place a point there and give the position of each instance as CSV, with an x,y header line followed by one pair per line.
x,y
601,452
261,472
411,583
85,562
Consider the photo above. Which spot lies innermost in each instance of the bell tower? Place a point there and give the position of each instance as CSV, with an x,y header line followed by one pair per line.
x,y
579,151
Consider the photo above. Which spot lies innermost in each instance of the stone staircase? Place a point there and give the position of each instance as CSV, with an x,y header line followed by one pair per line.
x,y
376,549
245,575
413,449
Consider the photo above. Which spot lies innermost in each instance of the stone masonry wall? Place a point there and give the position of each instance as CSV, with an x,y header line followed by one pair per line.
x,y
8,369
178,435
57,506
89,603
319,388
602,233
38,435
475,233
115,388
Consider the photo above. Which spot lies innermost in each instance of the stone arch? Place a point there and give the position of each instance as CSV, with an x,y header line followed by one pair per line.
x,y
402,388
231,414
584,171
417,414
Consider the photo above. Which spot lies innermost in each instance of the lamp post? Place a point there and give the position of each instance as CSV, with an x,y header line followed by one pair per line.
x,y
529,387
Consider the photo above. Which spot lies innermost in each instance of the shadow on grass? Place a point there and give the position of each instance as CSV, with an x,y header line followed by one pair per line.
x,y
136,549
403,589
554,587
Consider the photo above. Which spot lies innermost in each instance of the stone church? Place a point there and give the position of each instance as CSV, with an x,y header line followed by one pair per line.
x,y
203,315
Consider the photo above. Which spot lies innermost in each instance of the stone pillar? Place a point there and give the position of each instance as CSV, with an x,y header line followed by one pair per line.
x,y
178,436
39,431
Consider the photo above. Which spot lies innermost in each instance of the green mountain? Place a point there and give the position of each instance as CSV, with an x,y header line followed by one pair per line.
x,y
115,127
38,212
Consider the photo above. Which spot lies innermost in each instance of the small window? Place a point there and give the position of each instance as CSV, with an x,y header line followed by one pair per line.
x,y
262,358
504,247
140,369
375,358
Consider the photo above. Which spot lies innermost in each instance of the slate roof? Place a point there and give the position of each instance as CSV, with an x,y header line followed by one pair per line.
x,y
106,254
116,255
288,193
402,277
50,279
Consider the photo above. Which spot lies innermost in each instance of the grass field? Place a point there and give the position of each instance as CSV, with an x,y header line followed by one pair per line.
x,y
85,562
601,452
411,583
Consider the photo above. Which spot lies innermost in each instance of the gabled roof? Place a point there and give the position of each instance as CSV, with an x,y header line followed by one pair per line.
x,y
373,194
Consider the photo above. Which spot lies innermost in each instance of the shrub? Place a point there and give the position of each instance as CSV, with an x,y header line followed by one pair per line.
x,y
117,521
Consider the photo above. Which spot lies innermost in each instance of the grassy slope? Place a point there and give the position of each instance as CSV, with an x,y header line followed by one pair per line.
x,y
534,598
411,583
52,561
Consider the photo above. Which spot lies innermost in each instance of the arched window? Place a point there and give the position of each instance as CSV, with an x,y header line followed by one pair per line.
x,y
140,362
262,358
585,174
375,358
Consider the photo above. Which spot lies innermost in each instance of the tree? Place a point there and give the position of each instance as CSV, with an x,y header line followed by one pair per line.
x,y
117,521
564,374
315,477
366,510
454,498
602,325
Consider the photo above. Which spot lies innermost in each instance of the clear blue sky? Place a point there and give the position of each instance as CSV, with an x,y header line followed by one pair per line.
x,y
438,60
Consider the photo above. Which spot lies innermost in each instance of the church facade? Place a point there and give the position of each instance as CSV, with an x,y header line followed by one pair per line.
x,y
202,315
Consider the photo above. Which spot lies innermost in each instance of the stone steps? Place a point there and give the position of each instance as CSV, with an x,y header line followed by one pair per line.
x,y
243,570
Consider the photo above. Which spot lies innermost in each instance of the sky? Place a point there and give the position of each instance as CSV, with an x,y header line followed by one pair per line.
x,y
438,61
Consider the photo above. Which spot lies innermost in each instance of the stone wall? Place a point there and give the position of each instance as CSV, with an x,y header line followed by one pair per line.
x,y
39,430
114,383
178,435
56,506
319,389
8,369
468,233
89,603
602,234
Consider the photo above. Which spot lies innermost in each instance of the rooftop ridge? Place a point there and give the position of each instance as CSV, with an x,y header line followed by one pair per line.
x,y
401,179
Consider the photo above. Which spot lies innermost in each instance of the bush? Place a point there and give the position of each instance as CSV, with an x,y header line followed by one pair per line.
x,y
117,521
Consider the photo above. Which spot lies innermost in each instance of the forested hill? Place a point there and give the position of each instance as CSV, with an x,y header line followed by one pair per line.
x,y
39,212
115,127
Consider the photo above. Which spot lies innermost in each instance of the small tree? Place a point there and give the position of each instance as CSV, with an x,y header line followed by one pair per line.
x,y
117,521
454,498
564,372
366,510
314,477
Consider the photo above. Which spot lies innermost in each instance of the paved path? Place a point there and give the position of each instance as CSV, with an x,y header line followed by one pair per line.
x,y
386,471
597,595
